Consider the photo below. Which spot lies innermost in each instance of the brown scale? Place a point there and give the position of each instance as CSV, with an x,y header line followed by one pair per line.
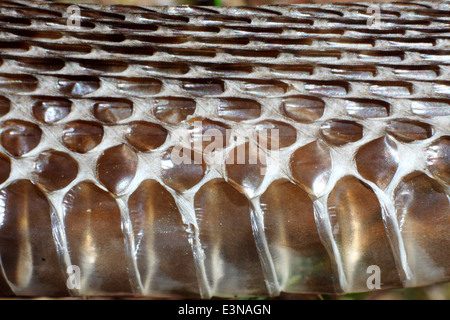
x,y
224,19
157,39
294,241
238,109
145,136
209,53
287,69
5,167
61,23
208,135
353,72
116,167
54,170
438,154
377,161
431,107
246,167
51,109
203,87
5,106
222,40
339,132
163,17
229,69
35,34
311,166
182,168
95,240
111,111
265,88
256,30
124,50
408,131
412,73
77,86
164,254
327,88
14,46
318,12
128,26
97,37
104,66
173,110
65,49
20,137
391,88
360,234
380,56
367,108
39,64
275,134
27,247
96,14
82,136
307,54
347,41
18,83
231,258
423,213
305,109
137,86
192,29
164,68
253,53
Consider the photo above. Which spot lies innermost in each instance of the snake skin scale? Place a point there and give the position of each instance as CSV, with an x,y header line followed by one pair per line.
x,y
90,115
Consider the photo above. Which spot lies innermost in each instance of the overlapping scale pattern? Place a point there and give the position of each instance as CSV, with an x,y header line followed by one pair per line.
x,y
124,148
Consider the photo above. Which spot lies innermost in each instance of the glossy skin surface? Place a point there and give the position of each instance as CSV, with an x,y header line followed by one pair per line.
x,y
301,260
20,137
164,254
423,212
408,131
31,268
437,159
377,161
339,133
246,167
173,110
311,166
232,261
116,167
236,109
145,136
51,110
357,224
113,110
95,240
303,108
82,136
54,170
5,167
182,168
90,120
